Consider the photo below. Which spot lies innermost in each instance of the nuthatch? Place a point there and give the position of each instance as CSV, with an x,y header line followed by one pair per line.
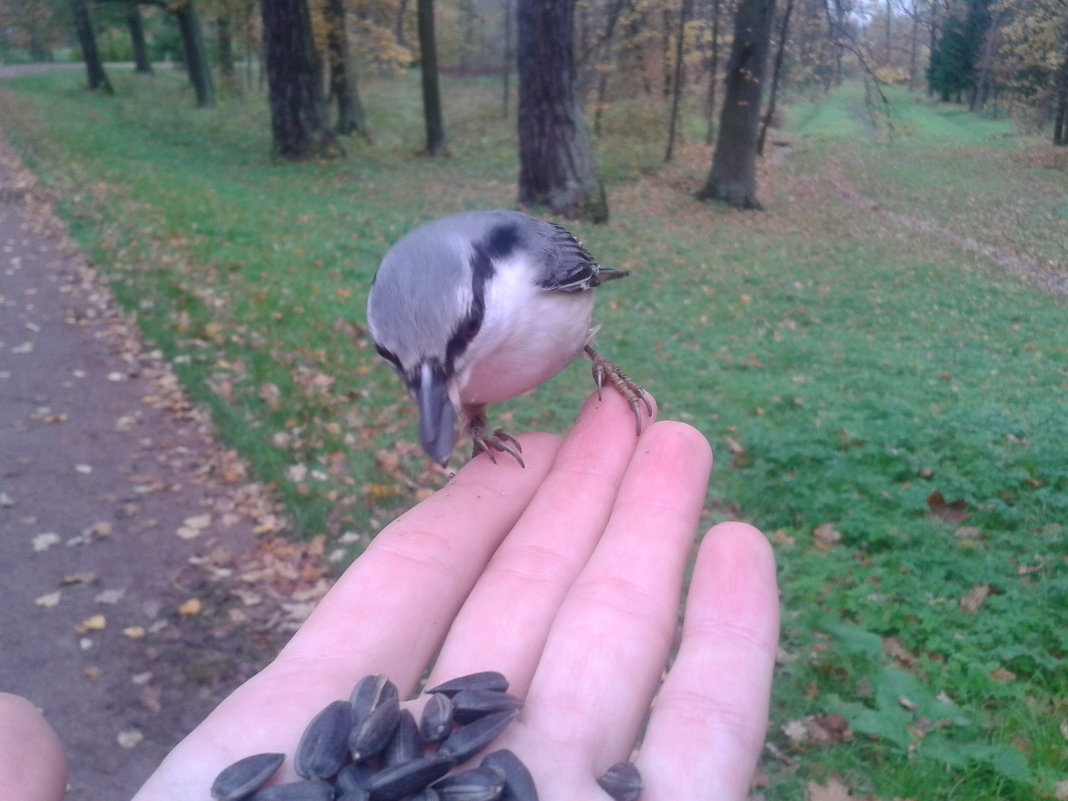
x,y
481,307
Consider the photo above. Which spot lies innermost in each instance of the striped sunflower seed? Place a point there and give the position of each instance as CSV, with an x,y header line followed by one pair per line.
x,y
473,703
518,783
436,721
245,776
324,746
369,693
352,777
370,737
622,781
404,780
307,790
485,680
468,740
406,743
478,784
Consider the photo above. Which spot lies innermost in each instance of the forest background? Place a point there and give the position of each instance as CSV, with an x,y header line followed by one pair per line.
x,y
880,357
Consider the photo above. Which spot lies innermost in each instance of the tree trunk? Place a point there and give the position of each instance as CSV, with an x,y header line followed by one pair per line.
x,y
676,96
557,167
713,77
142,64
196,58
507,56
1060,114
94,67
732,178
350,118
435,124
299,128
225,47
776,72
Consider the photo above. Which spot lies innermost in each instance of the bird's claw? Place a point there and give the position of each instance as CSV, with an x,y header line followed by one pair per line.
x,y
501,441
606,370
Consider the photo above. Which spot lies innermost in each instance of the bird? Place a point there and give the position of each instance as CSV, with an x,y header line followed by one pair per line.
x,y
483,306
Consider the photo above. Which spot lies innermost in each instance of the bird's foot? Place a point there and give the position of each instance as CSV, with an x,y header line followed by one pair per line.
x,y
500,440
605,371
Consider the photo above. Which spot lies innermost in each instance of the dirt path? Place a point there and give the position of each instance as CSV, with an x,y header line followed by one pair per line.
x,y
141,580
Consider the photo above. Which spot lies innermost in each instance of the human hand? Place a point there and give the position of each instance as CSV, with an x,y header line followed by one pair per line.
x,y
566,577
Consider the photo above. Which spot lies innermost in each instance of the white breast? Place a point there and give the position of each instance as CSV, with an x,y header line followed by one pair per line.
x,y
528,335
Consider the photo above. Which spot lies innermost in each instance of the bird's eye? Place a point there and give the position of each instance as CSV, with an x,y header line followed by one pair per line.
x,y
470,329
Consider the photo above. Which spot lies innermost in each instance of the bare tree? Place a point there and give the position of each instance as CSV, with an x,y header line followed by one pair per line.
x,y
350,117
732,178
94,66
428,47
676,94
557,167
299,127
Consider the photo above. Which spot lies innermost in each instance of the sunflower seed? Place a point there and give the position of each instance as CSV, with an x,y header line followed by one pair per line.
x,y
351,778
426,794
411,777
308,790
353,795
473,703
370,737
369,693
473,737
324,746
486,680
518,783
406,744
478,784
622,781
436,720
245,776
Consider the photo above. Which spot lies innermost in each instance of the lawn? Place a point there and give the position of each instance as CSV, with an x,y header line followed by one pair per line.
x,y
888,406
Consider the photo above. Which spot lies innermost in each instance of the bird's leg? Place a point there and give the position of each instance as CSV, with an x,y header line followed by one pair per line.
x,y
607,371
499,440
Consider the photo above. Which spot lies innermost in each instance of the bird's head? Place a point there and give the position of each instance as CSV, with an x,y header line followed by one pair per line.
x,y
424,310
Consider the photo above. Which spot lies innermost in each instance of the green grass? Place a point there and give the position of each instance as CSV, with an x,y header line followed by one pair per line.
x,y
845,366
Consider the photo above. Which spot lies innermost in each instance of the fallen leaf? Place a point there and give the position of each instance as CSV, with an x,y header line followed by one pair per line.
x,y
1003,676
1060,791
833,790
94,623
84,469
109,596
955,512
130,738
971,602
81,577
42,542
93,672
134,632
826,534
48,601
198,521
191,607
188,533
893,647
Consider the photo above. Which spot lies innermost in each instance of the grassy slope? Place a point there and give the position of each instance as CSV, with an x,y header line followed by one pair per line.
x,y
845,367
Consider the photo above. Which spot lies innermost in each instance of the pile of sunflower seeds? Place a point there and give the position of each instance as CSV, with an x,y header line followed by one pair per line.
x,y
370,749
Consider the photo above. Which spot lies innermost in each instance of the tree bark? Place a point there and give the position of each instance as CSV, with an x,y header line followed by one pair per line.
x,y
196,57
557,167
299,128
350,117
713,77
225,47
142,64
94,66
676,95
435,123
732,178
776,72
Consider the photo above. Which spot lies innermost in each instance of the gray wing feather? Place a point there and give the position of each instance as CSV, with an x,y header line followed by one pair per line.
x,y
569,267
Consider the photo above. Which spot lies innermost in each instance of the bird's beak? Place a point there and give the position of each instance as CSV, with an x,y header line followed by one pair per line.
x,y
437,418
